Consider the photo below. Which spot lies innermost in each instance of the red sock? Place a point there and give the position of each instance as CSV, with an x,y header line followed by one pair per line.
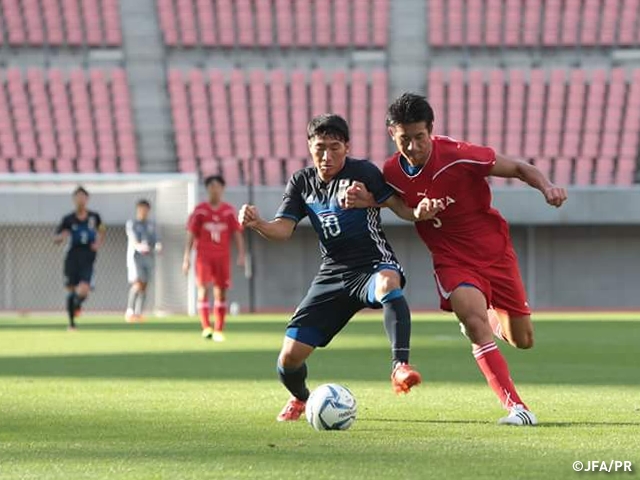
x,y
220,312
203,308
494,368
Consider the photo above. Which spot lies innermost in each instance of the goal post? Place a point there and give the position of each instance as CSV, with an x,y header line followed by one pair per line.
x,y
31,277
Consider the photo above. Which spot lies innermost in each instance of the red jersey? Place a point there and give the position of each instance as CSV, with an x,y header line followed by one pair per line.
x,y
212,229
468,232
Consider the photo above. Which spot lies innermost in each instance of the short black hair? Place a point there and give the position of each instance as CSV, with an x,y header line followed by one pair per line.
x,y
80,189
410,108
214,178
330,125
143,203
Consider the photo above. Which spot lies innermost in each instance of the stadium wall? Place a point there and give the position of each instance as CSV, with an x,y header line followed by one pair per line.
x,y
566,261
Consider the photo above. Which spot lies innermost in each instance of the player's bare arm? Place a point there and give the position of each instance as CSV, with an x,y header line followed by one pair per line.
x,y
102,232
357,196
278,229
239,239
61,237
188,246
508,168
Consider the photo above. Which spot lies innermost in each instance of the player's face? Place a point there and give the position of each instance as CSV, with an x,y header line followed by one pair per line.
x,y
329,155
215,191
142,212
413,141
80,201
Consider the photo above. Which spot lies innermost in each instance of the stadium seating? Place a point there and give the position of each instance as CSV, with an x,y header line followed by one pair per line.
x,y
253,123
76,121
71,23
274,23
578,126
533,24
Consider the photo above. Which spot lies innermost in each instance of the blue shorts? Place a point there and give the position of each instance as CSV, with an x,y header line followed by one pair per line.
x,y
332,300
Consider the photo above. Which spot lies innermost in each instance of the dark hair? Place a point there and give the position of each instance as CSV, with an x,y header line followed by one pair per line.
x,y
214,178
80,189
330,125
410,108
143,203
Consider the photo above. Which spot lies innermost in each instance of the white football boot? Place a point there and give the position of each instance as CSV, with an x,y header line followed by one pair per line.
x,y
519,416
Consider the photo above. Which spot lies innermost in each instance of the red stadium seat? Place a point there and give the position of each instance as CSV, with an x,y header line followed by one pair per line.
x,y
436,23
593,115
111,19
495,111
380,23
33,22
240,115
338,87
73,22
378,134
584,168
187,24
613,116
264,22
322,23
513,19
573,124
570,23
300,113
473,22
224,16
358,114
493,24
319,103
304,25
279,111
284,23
562,171
590,19
455,19
342,24
273,169
551,27
515,113
91,23
628,34
219,109
555,111
435,94
475,121
455,108
244,17
531,23
166,16
609,25
361,23
535,111
260,115
206,22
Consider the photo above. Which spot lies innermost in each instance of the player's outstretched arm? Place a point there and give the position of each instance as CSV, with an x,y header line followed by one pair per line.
x,y
186,259
277,229
508,168
58,238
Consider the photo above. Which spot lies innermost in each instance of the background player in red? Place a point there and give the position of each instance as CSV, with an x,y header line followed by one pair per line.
x,y
209,229
474,261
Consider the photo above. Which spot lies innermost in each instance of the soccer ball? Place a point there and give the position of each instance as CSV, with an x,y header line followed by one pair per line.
x,y
331,407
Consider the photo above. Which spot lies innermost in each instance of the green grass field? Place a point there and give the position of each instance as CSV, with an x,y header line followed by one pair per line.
x,y
115,401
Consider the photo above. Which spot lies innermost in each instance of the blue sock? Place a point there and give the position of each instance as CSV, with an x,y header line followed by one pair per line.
x,y
295,381
397,323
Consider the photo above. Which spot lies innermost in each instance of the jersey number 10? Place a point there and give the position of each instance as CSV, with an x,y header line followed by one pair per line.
x,y
330,226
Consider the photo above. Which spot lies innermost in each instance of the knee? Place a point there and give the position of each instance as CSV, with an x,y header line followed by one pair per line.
x,y
220,295
83,290
289,359
202,293
477,328
387,281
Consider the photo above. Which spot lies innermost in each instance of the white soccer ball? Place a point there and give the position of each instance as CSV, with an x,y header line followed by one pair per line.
x,y
331,407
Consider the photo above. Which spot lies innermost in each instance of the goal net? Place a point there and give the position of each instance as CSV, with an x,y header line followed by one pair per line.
x,y
31,266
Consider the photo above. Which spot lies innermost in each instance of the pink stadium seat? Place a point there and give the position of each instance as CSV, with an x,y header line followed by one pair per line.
x,y
20,165
593,115
475,107
358,114
562,171
378,134
187,23
224,16
230,169
495,109
590,20
240,115
629,139
111,19
436,23
244,17
198,106
206,22
73,22
455,112
319,102
13,22
455,19
512,27
436,97
625,171
570,23
473,22
361,23
43,165
610,19
493,25
33,21
52,22
573,123
303,24
535,111
273,169
613,116
322,24
380,22
166,16
279,120
260,115
515,113
555,112
628,34
584,167
550,30
531,23
342,24
338,87
299,113
220,116
264,24
91,22
284,23
544,165
604,171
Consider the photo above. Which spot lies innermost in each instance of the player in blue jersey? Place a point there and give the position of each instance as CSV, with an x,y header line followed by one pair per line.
x,y
359,268
84,232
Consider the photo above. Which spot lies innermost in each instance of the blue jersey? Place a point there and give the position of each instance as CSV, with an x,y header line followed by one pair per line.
x,y
350,239
82,233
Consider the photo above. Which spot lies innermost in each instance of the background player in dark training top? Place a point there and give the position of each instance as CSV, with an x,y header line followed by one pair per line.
x,y
84,232
358,270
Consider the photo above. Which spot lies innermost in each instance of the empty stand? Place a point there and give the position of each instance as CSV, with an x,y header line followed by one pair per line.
x,y
72,23
578,126
360,24
76,121
252,125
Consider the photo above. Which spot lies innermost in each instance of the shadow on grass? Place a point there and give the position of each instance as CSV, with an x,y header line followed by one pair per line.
x,y
481,422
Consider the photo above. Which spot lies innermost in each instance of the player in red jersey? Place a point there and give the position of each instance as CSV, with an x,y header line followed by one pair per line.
x,y
209,229
475,265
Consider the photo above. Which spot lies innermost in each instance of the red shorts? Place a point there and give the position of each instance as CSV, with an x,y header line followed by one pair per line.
x,y
214,270
501,284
